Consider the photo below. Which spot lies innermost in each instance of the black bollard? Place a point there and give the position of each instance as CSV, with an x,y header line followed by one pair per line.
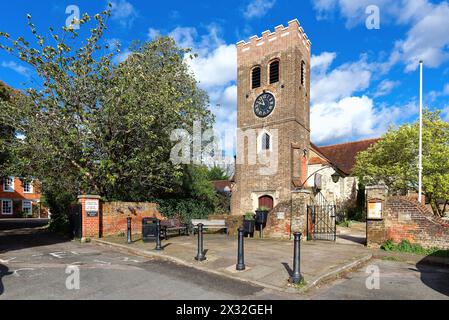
x,y
129,230
296,276
240,254
200,255
158,236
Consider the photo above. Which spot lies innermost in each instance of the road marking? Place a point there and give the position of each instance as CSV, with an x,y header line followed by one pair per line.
x,y
58,255
16,272
102,262
75,253
126,259
6,261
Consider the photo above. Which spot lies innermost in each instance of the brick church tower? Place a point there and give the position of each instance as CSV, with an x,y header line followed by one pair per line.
x,y
273,118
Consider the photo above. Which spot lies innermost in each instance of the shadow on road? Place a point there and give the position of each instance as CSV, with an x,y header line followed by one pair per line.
x,y
25,234
436,279
4,271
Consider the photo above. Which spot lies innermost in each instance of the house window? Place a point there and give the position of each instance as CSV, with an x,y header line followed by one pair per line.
x,y
27,187
274,71
27,207
303,73
7,207
266,141
8,184
255,78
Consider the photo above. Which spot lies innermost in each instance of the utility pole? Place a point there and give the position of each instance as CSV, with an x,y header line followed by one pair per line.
x,y
420,132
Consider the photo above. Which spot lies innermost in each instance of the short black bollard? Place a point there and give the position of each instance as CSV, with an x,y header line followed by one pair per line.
x,y
158,236
296,276
129,230
240,254
200,255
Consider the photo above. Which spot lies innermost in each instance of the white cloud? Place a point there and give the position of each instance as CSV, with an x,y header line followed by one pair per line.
x,y
258,8
385,87
446,89
122,56
153,33
341,82
24,71
337,112
123,12
428,39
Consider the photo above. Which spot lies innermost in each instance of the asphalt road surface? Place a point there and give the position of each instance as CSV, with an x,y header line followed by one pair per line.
x,y
37,265
33,265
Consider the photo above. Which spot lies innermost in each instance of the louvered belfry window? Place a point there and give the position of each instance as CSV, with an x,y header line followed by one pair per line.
x,y
255,78
274,72
266,141
303,73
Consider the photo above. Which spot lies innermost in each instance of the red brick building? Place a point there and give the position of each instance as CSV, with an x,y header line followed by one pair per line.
x,y
20,198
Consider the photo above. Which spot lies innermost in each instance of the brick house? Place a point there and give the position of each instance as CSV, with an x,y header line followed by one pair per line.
x,y
19,198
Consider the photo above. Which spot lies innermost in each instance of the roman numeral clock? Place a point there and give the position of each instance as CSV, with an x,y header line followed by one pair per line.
x,y
264,105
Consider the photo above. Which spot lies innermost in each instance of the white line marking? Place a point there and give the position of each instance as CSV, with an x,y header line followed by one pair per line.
x,y
16,272
6,261
58,255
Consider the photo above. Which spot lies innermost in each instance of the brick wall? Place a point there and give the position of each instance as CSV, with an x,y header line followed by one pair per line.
x,y
115,216
405,219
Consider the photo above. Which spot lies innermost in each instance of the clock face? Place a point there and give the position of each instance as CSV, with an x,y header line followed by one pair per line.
x,y
264,105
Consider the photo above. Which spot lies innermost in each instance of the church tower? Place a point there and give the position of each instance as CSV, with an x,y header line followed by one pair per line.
x,y
273,117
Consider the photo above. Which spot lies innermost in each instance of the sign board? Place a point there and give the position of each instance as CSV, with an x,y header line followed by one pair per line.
x,y
92,208
281,215
375,210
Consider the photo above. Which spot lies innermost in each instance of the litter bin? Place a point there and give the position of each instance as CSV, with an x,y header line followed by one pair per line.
x,y
149,229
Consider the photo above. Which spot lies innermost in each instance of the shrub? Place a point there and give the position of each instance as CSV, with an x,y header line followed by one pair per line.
x,y
249,216
407,247
186,209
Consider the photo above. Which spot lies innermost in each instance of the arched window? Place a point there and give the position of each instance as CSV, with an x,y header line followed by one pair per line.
x,y
266,141
255,78
274,71
303,73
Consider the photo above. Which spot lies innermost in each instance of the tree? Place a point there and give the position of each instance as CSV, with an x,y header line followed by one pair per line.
x,y
394,160
217,173
97,127
6,131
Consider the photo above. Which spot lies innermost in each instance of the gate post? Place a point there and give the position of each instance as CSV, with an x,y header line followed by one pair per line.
x,y
300,200
90,216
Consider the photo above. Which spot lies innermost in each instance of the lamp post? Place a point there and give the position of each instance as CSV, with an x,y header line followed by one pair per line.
x,y
335,176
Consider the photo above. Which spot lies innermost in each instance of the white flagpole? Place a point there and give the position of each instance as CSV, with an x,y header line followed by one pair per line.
x,y
420,131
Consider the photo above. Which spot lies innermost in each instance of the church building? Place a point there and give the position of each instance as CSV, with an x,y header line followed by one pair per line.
x,y
275,157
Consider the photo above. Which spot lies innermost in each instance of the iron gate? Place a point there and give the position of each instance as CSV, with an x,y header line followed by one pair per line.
x,y
321,222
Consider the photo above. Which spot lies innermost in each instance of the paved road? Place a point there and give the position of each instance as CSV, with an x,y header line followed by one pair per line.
x,y
33,266
397,280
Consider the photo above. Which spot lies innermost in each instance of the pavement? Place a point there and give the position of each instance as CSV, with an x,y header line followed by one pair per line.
x,y
268,262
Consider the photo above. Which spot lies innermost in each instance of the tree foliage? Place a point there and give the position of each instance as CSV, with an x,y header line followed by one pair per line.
x,y
95,126
394,160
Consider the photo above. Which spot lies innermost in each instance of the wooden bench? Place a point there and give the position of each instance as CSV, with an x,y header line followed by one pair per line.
x,y
209,224
174,224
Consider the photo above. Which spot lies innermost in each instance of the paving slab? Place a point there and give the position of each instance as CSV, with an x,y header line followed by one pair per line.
x,y
269,261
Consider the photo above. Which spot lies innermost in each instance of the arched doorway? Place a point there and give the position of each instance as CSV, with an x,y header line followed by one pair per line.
x,y
266,201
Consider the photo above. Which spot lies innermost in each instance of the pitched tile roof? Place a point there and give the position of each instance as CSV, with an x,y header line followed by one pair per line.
x,y
344,155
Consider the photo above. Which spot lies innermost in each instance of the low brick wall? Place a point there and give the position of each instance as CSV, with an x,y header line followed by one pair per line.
x,y
405,219
115,216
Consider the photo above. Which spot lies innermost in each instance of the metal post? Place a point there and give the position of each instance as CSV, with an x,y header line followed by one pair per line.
x,y
200,255
420,167
129,230
158,236
296,276
240,253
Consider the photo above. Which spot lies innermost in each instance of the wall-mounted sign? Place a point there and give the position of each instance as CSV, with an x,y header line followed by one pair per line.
x,y
281,215
374,210
92,208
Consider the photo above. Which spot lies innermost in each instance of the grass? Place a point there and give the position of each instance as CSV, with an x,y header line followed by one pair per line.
x,y
407,247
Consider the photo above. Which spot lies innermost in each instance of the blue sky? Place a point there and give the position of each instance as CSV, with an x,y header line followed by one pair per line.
x,y
363,80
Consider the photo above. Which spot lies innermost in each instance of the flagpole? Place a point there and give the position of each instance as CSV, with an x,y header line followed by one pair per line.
x,y
420,131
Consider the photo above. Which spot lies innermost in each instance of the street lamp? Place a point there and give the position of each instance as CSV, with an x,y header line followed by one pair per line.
x,y
335,176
